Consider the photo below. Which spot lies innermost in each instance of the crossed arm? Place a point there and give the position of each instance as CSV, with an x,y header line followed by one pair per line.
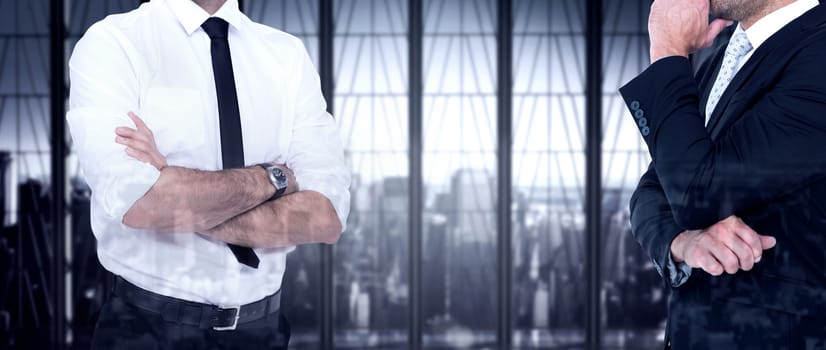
x,y
726,246
767,153
229,205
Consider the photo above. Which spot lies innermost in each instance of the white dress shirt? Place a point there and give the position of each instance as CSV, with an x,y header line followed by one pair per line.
x,y
758,33
155,61
764,28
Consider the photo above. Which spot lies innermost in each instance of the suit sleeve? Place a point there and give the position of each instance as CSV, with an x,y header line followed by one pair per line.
x,y
772,150
653,226
652,222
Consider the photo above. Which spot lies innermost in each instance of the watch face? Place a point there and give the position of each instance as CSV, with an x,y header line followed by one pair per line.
x,y
279,177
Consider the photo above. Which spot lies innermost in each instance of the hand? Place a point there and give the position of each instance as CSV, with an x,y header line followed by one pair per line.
x,y
680,27
729,245
140,143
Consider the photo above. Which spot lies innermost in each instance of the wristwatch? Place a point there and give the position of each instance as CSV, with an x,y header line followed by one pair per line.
x,y
277,177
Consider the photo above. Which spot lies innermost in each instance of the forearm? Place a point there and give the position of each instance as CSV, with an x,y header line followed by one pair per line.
x,y
187,200
653,226
299,218
654,229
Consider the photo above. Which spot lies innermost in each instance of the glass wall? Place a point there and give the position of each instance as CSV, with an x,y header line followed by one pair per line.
x,y
24,87
370,272
459,241
25,171
548,173
370,263
630,281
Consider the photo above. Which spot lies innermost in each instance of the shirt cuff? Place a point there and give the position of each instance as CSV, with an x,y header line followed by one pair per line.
x,y
123,190
335,188
677,272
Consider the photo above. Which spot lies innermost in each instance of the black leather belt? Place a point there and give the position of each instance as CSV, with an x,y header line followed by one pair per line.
x,y
219,318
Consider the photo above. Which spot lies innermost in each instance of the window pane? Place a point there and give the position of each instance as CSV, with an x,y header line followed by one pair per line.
x,y
24,88
371,258
548,173
25,171
459,243
629,279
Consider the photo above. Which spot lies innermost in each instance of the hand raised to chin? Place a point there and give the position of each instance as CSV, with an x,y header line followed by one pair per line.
x,y
680,27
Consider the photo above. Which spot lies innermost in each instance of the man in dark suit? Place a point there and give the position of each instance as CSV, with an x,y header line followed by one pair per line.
x,y
733,207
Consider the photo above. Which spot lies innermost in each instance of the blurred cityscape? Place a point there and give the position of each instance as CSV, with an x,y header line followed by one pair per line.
x,y
459,264
371,269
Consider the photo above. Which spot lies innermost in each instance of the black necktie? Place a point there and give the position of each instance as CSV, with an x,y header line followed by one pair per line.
x,y
232,146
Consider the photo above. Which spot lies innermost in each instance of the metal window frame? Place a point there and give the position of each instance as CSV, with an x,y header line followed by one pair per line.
x,y
326,33
415,178
593,172
504,183
59,151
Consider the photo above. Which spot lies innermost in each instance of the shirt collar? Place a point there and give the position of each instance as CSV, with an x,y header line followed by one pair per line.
x,y
192,16
764,28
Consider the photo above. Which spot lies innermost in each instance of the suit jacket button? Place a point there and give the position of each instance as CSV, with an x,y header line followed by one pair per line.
x,y
635,105
642,122
639,113
645,131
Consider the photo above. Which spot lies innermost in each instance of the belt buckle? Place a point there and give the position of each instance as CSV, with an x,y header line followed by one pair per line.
x,y
234,321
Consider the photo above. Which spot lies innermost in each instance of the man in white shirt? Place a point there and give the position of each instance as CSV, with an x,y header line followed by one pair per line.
x,y
210,155
729,210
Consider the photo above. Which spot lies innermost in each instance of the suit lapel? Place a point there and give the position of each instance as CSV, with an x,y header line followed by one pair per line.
x,y
789,35
717,116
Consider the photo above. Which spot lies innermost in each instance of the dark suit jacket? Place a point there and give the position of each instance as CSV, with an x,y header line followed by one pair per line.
x,y
762,158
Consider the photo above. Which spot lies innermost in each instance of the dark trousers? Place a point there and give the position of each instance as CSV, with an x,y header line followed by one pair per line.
x,y
123,326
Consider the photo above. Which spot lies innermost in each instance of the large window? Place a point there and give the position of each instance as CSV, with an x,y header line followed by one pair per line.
x,y
371,259
24,87
26,169
629,280
367,296
548,173
459,112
